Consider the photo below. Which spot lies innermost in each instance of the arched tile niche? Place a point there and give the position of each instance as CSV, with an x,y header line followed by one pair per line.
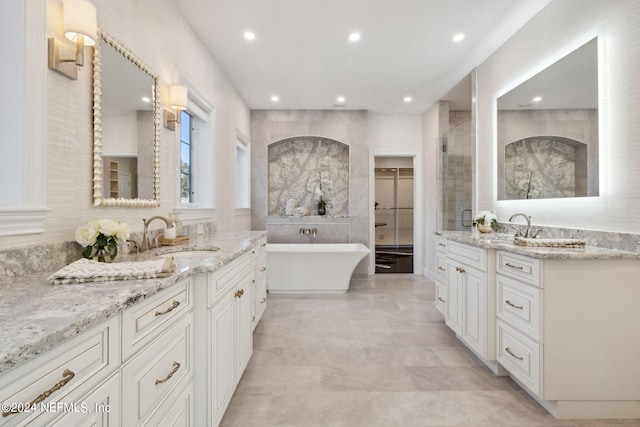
x,y
543,167
297,166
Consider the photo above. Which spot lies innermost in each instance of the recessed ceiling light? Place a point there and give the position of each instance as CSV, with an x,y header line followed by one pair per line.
x,y
354,37
146,99
407,99
275,98
537,99
249,35
458,37
341,99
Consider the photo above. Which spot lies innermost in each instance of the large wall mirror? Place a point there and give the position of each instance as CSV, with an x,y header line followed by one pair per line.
x,y
547,131
126,128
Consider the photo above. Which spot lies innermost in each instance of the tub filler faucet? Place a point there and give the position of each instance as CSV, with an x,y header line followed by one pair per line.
x,y
308,231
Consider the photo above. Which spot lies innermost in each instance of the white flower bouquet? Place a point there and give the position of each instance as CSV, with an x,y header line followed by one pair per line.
x,y
485,221
101,237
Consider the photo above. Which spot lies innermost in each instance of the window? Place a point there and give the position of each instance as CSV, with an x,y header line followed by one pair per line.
x,y
243,173
186,149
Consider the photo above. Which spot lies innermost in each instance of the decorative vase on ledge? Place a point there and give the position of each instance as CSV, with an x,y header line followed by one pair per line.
x,y
321,210
485,228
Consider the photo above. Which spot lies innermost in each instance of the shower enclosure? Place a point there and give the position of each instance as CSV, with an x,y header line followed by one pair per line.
x,y
457,146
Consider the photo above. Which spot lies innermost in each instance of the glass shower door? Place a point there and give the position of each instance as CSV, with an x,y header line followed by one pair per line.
x,y
456,191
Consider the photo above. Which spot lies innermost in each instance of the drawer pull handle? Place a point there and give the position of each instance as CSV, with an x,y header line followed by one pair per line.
x,y
460,270
168,310
519,307
508,350
262,245
253,281
253,318
517,267
263,300
263,269
444,301
239,293
442,269
67,376
441,244
176,366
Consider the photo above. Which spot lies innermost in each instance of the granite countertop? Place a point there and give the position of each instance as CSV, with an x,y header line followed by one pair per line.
x,y
505,243
36,315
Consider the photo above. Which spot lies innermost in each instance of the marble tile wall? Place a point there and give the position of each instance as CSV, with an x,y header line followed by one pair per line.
x,y
545,167
295,167
558,169
347,127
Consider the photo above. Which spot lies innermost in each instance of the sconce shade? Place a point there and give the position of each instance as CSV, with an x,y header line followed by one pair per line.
x,y
178,97
80,19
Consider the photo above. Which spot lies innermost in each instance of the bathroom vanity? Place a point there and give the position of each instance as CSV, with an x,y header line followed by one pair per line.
x,y
141,352
563,323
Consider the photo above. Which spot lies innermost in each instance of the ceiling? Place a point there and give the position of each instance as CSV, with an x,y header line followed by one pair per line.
x,y
302,52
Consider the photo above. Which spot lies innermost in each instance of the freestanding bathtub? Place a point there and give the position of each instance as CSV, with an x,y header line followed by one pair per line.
x,y
312,268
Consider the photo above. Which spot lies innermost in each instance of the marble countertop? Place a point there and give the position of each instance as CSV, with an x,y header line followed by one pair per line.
x,y
36,315
505,243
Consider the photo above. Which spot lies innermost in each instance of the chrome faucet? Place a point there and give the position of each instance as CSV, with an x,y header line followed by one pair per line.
x,y
144,246
527,232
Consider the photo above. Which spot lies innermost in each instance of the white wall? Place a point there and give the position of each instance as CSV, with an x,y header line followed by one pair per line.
x,y
557,27
400,135
154,31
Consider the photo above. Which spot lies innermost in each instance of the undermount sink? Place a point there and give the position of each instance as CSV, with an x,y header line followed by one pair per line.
x,y
550,243
187,252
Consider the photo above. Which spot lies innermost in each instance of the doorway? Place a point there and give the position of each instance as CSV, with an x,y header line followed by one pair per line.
x,y
394,214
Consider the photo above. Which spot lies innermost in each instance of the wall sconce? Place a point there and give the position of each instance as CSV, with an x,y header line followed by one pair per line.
x,y
178,98
80,26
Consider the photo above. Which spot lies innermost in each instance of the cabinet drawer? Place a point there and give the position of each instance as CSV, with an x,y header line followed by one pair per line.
x,y
149,377
228,276
145,321
441,297
176,411
260,246
101,407
520,355
519,305
519,267
441,244
83,361
470,255
441,267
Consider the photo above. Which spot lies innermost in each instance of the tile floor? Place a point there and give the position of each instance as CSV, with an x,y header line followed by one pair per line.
x,y
379,356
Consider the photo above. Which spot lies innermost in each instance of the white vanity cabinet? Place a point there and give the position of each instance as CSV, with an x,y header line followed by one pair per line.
x,y
259,288
225,337
441,275
157,355
469,299
568,332
67,375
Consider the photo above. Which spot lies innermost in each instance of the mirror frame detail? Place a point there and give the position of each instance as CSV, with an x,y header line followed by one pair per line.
x,y
600,168
98,197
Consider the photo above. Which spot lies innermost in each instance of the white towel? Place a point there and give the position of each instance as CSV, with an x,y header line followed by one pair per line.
x,y
301,211
85,270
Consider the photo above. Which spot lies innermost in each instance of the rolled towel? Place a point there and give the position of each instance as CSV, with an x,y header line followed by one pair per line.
x,y
301,211
85,270
290,206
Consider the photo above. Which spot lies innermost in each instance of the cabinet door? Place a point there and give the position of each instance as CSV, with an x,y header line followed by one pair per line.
x,y
474,308
454,295
223,352
245,329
